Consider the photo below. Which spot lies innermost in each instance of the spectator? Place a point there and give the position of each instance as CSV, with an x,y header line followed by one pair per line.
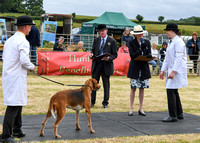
x,y
138,72
16,62
80,47
175,64
193,50
126,36
163,51
104,66
156,60
34,39
59,46
123,48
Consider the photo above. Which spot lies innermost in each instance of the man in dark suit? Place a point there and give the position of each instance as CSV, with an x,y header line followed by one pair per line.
x,y
104,66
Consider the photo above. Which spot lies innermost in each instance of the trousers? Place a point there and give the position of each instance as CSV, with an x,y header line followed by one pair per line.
x,y
174,103
12,121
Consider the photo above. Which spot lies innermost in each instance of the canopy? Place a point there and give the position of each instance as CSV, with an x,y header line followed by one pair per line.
x,y
113,20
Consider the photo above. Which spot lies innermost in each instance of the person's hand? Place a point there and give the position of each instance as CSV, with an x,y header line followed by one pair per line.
x,y
149,56
105,58
171,75
90,55
33,69
162,75
193,45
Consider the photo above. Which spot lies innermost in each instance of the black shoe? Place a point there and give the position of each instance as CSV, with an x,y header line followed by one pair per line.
x,y
180,117
7,140
141,114
19,134
105,106
130,114
92,105
170,119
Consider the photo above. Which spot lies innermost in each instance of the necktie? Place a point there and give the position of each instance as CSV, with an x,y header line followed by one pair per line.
x,y
101,48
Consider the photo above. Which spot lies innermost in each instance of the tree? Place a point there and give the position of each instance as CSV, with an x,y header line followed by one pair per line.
x,y
161,18
74,14
33,7
139,18
11,6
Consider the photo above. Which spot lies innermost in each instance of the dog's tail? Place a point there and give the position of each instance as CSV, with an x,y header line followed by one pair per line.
x,y
51,107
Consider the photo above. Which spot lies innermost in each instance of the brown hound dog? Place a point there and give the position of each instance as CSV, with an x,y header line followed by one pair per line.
x,y
75,99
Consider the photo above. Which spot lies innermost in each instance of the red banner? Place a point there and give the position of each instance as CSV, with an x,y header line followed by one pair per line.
x,y
76,63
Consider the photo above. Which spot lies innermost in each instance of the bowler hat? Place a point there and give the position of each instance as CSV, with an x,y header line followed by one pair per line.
x,y
137,30
24,20
101,27
172,26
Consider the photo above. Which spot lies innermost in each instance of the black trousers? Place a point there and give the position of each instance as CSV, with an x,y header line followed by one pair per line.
x,y
99,71
12,121
174,103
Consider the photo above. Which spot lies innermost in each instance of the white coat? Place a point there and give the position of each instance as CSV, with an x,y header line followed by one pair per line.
x,y
16,62
176,60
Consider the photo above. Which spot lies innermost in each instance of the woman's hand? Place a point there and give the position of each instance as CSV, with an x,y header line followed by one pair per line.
x,y
162,75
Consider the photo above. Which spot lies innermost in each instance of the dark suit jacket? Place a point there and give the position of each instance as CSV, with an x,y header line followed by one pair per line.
x,y
110,47
136,66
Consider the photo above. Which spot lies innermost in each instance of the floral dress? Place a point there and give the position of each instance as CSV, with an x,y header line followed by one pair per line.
x,y
139,83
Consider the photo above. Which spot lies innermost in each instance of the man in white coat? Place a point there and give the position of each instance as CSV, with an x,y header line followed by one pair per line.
x,y
16,62
176,76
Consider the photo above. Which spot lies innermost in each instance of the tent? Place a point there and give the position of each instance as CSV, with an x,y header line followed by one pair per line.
x,y
113,20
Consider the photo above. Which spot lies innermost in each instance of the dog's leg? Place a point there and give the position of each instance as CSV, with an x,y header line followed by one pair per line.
x,y
77,120
44,123
89,120
60,115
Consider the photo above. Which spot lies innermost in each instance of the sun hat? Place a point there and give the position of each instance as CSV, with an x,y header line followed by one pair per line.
x,y
24,20
172,26
101,27
137,30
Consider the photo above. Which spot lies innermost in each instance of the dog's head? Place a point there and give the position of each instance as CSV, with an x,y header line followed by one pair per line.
x,y
93,84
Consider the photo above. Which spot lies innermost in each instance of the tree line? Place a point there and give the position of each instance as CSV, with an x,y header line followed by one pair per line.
x,y
190,20
29,7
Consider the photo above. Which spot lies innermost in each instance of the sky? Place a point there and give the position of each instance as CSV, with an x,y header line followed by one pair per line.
x,y
149,9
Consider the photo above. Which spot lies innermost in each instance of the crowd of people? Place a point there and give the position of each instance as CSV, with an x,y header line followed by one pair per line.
x,y
173,62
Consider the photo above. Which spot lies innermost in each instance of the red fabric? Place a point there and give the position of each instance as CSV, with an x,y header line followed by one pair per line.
x,y
123,50
76,63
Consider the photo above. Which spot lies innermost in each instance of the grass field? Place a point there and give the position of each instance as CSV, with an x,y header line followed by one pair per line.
x,y
40,91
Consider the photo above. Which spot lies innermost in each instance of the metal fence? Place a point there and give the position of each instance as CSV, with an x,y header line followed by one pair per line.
x,y
71,40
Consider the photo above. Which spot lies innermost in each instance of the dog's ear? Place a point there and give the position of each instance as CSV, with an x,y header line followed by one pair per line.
x,y
94,81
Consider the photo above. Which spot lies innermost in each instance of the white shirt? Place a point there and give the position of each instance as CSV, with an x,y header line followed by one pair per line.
x,y
16,62
154,52
176,60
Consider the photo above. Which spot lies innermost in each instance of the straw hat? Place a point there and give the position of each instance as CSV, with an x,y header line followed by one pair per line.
x,y
137,30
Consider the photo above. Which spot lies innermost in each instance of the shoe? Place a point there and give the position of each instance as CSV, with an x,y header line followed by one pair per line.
x,y
180,117
130,114
170,119
92,105
19,134
7,140
105,106
141,113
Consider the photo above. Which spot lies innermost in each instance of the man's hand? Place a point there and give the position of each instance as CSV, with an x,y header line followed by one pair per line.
x,y
162,75
105,58
171,75
90,55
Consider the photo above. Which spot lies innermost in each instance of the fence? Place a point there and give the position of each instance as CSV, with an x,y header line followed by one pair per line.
x,y
73,39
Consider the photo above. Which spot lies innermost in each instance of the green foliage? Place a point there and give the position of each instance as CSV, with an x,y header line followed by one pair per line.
x,y
11,6
74,14
34,7
161,18
139,18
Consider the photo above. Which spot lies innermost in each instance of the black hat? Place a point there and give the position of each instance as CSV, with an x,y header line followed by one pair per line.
x,y
101,27
172,26
24,20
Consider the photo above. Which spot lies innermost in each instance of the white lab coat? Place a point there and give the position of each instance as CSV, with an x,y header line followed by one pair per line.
x,y
176,60
16,62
